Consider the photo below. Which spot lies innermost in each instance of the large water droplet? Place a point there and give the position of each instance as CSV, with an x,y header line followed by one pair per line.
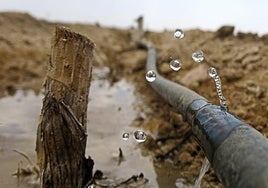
x,y
212,72
125,136
150,76
198,56
140,136
178,34
175,64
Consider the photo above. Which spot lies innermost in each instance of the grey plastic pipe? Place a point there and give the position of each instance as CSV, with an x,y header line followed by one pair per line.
x,y
237,152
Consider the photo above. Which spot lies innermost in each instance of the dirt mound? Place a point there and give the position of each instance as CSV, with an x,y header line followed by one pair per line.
x,y
241,62
25,47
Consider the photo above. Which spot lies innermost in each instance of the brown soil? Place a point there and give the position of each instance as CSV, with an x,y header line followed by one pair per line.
x,y
241,62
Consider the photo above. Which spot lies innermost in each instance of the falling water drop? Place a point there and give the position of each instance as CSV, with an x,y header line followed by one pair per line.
x,y
140,136
212,72
150,76
175,64
178,34
198,56
125,136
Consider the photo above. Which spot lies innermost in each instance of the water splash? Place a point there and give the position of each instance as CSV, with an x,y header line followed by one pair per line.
x,y
203,170
212,72
140,136
125,136
179,34
150,76
198,56
175,64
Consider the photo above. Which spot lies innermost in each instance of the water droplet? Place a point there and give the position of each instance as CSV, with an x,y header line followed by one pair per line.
x,y
150,76
178,34
175,64
125,136
140,136
198,56
212,72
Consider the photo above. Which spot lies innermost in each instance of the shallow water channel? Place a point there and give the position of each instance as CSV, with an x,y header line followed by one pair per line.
x,y
110,112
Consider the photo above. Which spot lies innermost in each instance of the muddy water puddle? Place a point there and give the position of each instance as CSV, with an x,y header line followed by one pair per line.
x,y
110,112
18,121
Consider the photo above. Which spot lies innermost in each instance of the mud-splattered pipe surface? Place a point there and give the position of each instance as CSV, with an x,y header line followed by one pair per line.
x,y
238,153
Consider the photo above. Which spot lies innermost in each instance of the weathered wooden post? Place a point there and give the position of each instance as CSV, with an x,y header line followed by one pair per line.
x,y
61,134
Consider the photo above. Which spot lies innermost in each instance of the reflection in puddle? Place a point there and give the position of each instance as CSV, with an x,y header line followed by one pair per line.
x,y
19,115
